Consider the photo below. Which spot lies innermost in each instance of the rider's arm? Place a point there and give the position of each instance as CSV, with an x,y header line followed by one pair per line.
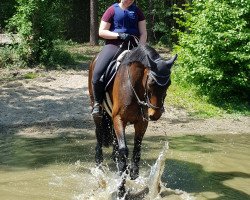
x,y
143,31
104,31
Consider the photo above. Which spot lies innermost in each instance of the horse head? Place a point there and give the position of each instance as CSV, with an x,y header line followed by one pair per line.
x,y
157,84
156,78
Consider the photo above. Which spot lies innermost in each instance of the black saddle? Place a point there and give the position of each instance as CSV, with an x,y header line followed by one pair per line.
x,y
114,64
112,69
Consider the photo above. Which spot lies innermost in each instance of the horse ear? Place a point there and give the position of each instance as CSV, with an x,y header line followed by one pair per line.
x,y
171,61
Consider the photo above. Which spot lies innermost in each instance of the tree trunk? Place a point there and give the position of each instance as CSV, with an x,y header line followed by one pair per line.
x,y
150,21
93,39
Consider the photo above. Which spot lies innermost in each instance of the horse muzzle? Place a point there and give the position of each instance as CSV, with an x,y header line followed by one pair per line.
x,y
155,114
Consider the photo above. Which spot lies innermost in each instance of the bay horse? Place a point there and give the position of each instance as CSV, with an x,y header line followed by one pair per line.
x,y
137,93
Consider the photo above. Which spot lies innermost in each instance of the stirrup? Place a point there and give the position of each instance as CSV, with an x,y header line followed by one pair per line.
x,y
97,110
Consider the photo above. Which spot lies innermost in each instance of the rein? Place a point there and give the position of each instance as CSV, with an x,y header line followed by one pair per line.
x,y
136,39
145,102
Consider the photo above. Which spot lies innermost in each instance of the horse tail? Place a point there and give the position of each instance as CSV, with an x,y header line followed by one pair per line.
x,y
107,130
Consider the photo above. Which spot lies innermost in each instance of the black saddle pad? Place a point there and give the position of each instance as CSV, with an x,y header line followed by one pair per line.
x,y
112,69
110,73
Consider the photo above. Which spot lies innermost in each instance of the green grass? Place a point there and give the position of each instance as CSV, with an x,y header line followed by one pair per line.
x,y
186,97
30,75
80,52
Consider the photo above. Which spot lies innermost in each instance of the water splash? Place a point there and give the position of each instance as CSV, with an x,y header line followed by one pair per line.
x,y
104,184
154,181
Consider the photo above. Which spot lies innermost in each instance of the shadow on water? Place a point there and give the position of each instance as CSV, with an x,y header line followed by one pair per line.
x,y
22,152
186,143
192,178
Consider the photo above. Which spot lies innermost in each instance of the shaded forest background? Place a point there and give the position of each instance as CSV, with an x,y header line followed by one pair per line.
x,y
212,38
75,16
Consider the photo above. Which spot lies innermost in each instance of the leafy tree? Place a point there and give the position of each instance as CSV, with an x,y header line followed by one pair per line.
x,y
93,22
214,51
38,24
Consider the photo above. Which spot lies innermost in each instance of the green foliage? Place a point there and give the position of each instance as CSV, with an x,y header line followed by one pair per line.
x,y
159,19
103,5
214,49
186,97
30,75
38,24
9,57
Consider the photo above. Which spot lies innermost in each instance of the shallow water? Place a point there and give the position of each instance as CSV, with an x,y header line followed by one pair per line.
x,y
62,167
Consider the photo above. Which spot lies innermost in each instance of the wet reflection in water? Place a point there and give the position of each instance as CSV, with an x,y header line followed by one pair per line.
x,y
206,166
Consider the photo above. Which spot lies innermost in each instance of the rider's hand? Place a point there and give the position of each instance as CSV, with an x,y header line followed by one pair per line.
x,y
124,36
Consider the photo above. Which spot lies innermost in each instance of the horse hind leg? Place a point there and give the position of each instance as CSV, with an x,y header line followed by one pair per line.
x,y
107,130
104,135
99,140
109,136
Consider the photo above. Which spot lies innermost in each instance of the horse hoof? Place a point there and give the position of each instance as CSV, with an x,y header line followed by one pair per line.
x,y
121,192
122,169
134,174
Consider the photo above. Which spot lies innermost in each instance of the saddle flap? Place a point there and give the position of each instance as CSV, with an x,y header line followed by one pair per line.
x,y
112,69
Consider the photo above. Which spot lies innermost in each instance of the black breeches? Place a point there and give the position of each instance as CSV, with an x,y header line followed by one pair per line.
x,y
103,60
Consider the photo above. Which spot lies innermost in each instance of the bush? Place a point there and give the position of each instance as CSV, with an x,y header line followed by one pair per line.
x,y
214,49
38,24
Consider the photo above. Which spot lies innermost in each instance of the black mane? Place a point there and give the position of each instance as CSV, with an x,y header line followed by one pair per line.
x,y
141,54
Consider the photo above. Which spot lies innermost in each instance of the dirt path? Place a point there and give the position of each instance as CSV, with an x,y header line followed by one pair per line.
x,y
57,102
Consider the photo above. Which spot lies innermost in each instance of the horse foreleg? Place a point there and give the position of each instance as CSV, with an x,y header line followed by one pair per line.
x,y
140,129
115,152
119,128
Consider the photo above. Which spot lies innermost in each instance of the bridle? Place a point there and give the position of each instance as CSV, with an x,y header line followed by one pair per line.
x,y
146,101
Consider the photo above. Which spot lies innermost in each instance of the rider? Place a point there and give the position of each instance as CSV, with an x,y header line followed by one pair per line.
x,y
119,23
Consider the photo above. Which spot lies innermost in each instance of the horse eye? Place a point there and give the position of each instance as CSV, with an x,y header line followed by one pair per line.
x,y
151,82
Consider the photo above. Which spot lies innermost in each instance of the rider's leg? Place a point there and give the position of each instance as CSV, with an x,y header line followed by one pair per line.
x,y
103,60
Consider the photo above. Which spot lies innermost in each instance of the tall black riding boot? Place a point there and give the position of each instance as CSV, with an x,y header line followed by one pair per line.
x,y
98,92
